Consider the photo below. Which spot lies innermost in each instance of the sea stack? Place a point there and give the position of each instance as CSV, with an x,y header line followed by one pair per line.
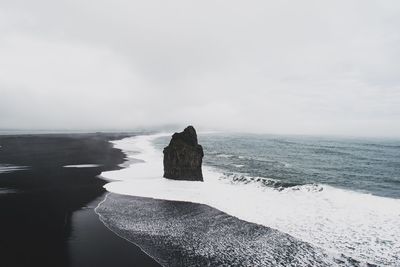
x,y
183,156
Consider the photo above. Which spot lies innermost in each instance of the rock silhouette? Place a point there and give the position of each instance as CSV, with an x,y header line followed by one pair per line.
x,y
183,156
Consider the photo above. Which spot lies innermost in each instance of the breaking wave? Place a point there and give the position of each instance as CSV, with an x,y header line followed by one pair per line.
x,y
362,226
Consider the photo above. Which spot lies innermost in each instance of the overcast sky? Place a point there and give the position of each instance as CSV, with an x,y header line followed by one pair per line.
x,y
299,67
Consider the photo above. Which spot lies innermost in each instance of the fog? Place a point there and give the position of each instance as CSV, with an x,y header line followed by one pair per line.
x,y
291,67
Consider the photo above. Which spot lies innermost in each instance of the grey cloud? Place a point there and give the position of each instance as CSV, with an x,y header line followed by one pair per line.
x,y
306,67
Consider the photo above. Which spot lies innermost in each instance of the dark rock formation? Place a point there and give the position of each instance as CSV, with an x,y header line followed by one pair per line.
x,y
183,156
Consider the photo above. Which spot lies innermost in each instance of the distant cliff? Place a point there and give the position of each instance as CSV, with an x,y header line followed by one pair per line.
x,y
183,156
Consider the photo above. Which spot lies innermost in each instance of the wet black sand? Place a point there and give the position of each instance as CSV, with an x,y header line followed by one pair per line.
x,y
190,234
47,218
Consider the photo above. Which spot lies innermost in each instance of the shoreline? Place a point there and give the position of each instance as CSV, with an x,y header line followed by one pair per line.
x,y
91,234
290,212
177,233
102,220
47,209
129,196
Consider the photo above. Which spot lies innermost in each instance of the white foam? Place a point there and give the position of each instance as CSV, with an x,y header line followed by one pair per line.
x,y
7,191
238,165
224,156
82,166
5,168
362,226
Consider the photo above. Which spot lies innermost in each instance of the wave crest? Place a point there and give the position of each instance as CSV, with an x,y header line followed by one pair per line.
x,y
359,225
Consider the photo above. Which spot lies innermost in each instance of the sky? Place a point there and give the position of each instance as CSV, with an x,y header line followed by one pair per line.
x,y
290,67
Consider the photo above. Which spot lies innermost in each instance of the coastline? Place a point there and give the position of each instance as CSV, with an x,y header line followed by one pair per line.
x,y
177,233
298,211
122,220
102,220
48,216
93,244
58,213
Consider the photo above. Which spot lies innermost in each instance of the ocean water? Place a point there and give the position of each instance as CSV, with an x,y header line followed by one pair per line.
x,y
342,196
363,165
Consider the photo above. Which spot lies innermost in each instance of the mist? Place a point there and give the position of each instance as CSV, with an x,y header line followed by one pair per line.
x,y
290,67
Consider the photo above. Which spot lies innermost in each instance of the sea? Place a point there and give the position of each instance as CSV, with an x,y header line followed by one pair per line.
x,y
340,196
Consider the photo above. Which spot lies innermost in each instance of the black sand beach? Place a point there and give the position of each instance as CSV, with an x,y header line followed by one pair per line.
x,y
47,216
190,234
50,216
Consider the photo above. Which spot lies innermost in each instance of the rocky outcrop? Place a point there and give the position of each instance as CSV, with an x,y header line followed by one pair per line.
x,y
183,156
